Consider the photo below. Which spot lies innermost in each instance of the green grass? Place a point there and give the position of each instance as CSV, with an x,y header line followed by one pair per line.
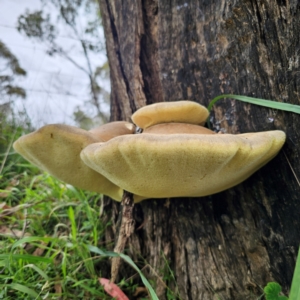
x,y
51,247
47,226
257,101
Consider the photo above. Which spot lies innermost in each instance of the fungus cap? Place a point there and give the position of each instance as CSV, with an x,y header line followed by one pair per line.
x,y
110,130
167,112
182,165
56,149
177,128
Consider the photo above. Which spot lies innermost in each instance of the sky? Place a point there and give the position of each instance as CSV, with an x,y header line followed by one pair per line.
x,y
54,86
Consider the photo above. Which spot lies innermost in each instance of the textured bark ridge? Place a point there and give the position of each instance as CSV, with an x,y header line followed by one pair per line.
x,y
126,228
231,244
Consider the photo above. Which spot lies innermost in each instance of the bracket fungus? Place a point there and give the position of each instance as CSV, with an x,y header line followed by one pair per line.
x,y
56,149
173,157
166,112
113,129
182,165
177,128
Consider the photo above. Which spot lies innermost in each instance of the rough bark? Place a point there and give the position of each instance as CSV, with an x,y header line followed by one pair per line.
x,y
231,244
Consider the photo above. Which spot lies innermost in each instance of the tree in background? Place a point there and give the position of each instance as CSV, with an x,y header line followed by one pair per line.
x,y
39,25
228,245
12,119
10,69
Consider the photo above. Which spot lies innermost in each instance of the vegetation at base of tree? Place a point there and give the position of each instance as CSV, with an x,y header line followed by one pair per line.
x,y
272,292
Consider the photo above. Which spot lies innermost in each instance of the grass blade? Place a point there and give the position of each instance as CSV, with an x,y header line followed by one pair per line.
x,y
71,216
24,289
38,270
31,239
144,279
131,263
258,101
26,257
295,289
92,290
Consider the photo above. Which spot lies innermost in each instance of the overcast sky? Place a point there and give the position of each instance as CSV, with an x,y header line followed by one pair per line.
x,y
53,85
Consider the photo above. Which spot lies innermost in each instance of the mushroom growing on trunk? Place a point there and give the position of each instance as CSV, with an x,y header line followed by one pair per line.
x,y
181,164
56,149
174,156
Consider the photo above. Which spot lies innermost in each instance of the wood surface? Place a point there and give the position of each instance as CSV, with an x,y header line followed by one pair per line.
x,y
228,245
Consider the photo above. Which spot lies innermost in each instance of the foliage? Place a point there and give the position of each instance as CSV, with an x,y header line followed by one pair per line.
x,y
49,258
257,101
36,25
295,289
39,26
53,257
11,61
261,102
9,131
131,263
81,118
272,291
9,69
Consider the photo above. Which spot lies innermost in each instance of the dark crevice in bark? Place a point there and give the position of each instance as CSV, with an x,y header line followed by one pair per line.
x,y
118,55
188,282
116,111
149,52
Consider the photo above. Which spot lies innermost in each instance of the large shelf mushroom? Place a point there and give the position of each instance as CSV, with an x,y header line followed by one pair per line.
x,y
173,158
182,165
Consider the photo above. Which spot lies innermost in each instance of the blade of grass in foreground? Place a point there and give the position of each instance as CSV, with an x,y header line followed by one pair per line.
x,y
130,262
31,239
295,289
258,101
24,289
26,257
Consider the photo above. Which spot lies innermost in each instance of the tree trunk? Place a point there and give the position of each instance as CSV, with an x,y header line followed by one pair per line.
x,y
228,245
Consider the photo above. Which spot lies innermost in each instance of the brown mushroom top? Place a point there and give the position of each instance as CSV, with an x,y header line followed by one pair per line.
x,y
177,165
56,149
168,112
110,130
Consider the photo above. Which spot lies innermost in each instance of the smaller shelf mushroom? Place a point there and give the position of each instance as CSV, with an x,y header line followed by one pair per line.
x,y
56,149
183,111
110,130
